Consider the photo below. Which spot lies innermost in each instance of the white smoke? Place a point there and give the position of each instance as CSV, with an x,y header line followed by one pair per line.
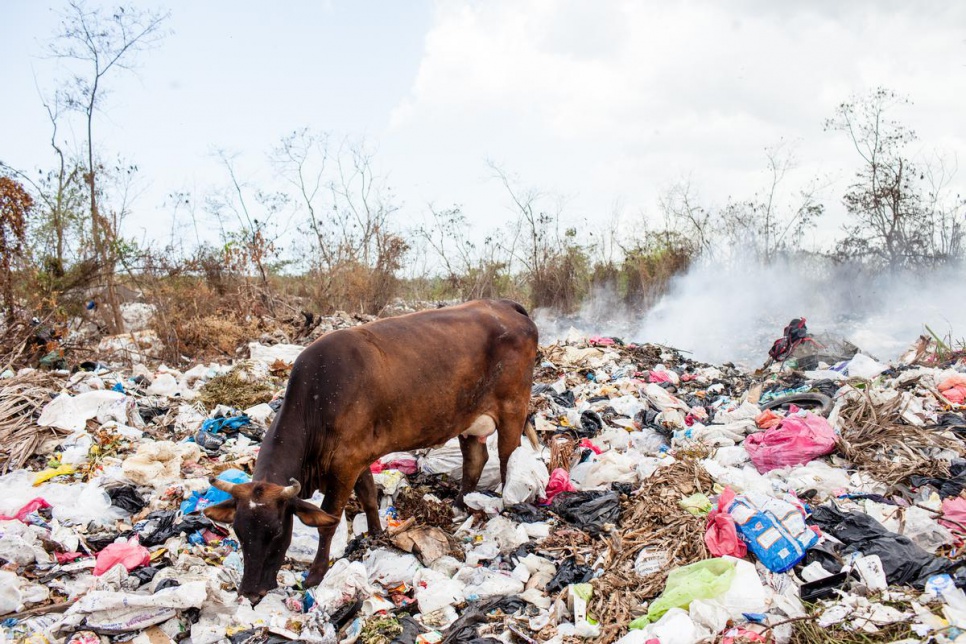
x,y
733,313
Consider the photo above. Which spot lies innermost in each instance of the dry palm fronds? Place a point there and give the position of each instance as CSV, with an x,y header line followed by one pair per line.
x,y
876,440
651,519
562,452
22,399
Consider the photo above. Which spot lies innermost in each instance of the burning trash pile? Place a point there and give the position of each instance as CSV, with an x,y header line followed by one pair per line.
x,y
668,501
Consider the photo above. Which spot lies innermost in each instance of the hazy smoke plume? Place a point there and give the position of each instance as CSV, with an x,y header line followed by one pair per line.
x,y
733,313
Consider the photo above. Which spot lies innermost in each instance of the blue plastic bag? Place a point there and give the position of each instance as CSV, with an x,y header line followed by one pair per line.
x,y
774,530
213,495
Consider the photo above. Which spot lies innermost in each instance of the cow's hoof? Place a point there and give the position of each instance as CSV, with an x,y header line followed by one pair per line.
x,y
313,578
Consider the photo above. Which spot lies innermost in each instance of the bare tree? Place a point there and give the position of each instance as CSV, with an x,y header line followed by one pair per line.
x,y
769,223
349,211
683,214
555,264
96,44
473,270
893,216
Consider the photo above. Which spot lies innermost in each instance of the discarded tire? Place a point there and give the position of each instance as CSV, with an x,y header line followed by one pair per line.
x,y
816,403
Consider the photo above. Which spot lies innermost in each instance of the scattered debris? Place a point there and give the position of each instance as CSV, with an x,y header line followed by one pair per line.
x,y
646,514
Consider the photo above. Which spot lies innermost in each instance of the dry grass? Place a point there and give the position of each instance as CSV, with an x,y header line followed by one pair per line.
x,y
235,390
877,441
22,399
807,631
220,334
651,519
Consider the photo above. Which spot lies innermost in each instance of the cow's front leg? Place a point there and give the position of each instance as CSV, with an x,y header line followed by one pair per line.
x,y
334,502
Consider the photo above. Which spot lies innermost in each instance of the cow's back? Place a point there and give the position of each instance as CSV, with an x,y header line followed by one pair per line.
x,y
415,380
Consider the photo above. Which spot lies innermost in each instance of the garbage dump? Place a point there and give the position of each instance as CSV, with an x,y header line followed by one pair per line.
x,y
668,501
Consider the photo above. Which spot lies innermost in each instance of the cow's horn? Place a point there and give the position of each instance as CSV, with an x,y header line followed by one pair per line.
x,y
291,491
224,486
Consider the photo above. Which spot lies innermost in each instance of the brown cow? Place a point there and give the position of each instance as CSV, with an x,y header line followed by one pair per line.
x,y
398,384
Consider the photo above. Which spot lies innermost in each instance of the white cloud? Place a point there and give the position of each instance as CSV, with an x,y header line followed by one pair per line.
x,y
619,98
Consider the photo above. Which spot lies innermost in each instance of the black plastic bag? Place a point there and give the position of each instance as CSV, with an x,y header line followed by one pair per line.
x,y
411,630
947,487
569,573
159,526
903,561
167,583
590,424
526,513
589,511
127,498
566,399
464,629
144,574
99,542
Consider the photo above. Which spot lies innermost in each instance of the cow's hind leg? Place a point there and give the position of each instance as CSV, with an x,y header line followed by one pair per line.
x,y
509,430
367,495
475,456
337,493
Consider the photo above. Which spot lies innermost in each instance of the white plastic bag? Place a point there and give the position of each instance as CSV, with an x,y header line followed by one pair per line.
x,y
448,460
862,366
482,583
305,541
507,534
345,581
10,597
609,467
72,412
389,569
434,590
526,476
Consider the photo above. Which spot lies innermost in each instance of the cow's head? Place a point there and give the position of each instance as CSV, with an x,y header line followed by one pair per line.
x,y
261,514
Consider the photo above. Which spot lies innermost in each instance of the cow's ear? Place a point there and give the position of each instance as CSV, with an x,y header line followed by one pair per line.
x,y
223,512
313,516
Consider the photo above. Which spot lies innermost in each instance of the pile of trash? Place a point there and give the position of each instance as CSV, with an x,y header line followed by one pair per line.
x,y
669,501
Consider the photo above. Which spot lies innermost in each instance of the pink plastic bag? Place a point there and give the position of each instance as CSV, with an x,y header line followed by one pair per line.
x,y
559,482
798,440
32,506
585,443
129,553
954,389
659,377
954,513
722,535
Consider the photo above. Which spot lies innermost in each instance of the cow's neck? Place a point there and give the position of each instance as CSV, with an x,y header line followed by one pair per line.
x,y
283,453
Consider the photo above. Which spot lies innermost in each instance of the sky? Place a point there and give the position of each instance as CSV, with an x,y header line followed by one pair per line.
x,y
603,105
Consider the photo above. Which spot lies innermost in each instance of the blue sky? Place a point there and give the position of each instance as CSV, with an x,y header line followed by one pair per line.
x,y
604,105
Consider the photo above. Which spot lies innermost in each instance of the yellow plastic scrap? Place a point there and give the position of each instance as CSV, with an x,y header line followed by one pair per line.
x,y
50,473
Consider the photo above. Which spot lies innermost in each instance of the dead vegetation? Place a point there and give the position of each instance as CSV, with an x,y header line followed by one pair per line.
x,y
22,398
877,441
411,503
235,389
650,519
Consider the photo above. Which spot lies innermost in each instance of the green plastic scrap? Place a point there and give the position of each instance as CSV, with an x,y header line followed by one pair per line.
x,y
584,591
702,580
697,504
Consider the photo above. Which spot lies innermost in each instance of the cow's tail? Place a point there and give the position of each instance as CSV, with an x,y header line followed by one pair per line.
x,y
531,433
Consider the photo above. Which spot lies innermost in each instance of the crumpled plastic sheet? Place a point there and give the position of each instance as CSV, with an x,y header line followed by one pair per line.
x,y
903,561
590,511
120,612
800,438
